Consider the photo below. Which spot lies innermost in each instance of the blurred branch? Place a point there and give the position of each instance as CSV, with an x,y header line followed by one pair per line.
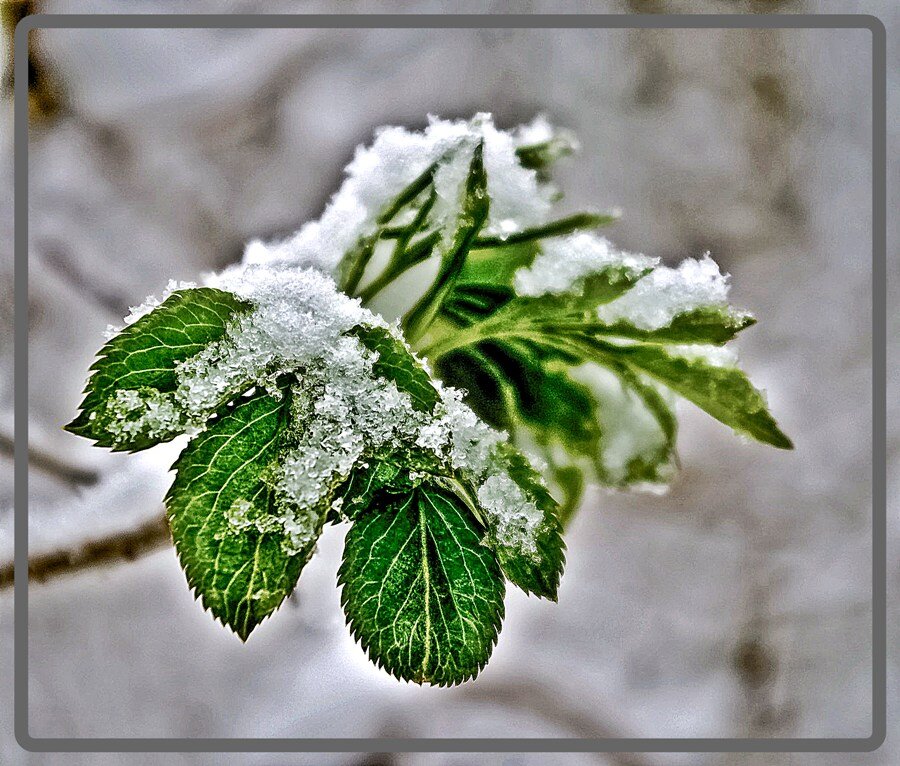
x,y
44,461
115,548
43,92
543,702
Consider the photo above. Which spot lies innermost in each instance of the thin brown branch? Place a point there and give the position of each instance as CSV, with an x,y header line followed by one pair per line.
x,y
104,551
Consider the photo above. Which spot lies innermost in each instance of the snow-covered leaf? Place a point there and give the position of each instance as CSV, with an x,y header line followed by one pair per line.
x,y
396,363
472,216
722,390
222,510
523,526
711,324
129,403
511,385
540,156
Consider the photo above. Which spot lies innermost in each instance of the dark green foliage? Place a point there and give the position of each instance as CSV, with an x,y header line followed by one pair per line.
x,y
431,541
421,594
538,574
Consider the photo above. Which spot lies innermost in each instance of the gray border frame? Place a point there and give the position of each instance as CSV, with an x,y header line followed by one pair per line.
x,y
469,21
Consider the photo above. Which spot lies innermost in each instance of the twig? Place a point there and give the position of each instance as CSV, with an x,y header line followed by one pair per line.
x,y
122,546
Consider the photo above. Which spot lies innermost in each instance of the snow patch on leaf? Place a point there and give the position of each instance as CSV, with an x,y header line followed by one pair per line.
x,y
513,517
152,301
666,292
566,261
394,160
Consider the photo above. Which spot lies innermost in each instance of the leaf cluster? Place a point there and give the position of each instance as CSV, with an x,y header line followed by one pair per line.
x,y
431,544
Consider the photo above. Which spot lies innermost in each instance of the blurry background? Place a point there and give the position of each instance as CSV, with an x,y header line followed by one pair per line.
x,y
737,605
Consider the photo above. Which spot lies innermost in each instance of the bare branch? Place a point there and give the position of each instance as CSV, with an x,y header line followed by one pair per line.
x,y
123,546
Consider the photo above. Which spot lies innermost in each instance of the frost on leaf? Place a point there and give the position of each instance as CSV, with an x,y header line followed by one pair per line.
x,y
393,162
539,357
129,401
220,506
564,264
575,353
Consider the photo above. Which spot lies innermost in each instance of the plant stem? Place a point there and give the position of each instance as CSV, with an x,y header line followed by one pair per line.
x,y
408,194
472,216
413,256
359,259
552,229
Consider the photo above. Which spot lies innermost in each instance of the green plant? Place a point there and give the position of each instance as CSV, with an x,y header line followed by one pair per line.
x,y
304,407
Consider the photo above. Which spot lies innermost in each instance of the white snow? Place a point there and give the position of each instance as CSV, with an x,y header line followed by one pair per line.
x,y
513,517
151,301
395,159
565,261
146,412
666,292
297,314
538,131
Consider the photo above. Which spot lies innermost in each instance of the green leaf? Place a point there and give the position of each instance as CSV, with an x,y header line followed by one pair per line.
x,y
421,594
409,194
241,571
558,409
470,303
638,428
612,422
569,480
541,156
539,573
722,391
586,295
472,216
542,319
353,265
519,387
709,324
143,356
396,363
372,481
496,267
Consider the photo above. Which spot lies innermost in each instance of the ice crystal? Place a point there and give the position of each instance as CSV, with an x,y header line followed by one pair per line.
x,y
146,412
297,314
467,441
514,519
538,131
344,413
152,301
